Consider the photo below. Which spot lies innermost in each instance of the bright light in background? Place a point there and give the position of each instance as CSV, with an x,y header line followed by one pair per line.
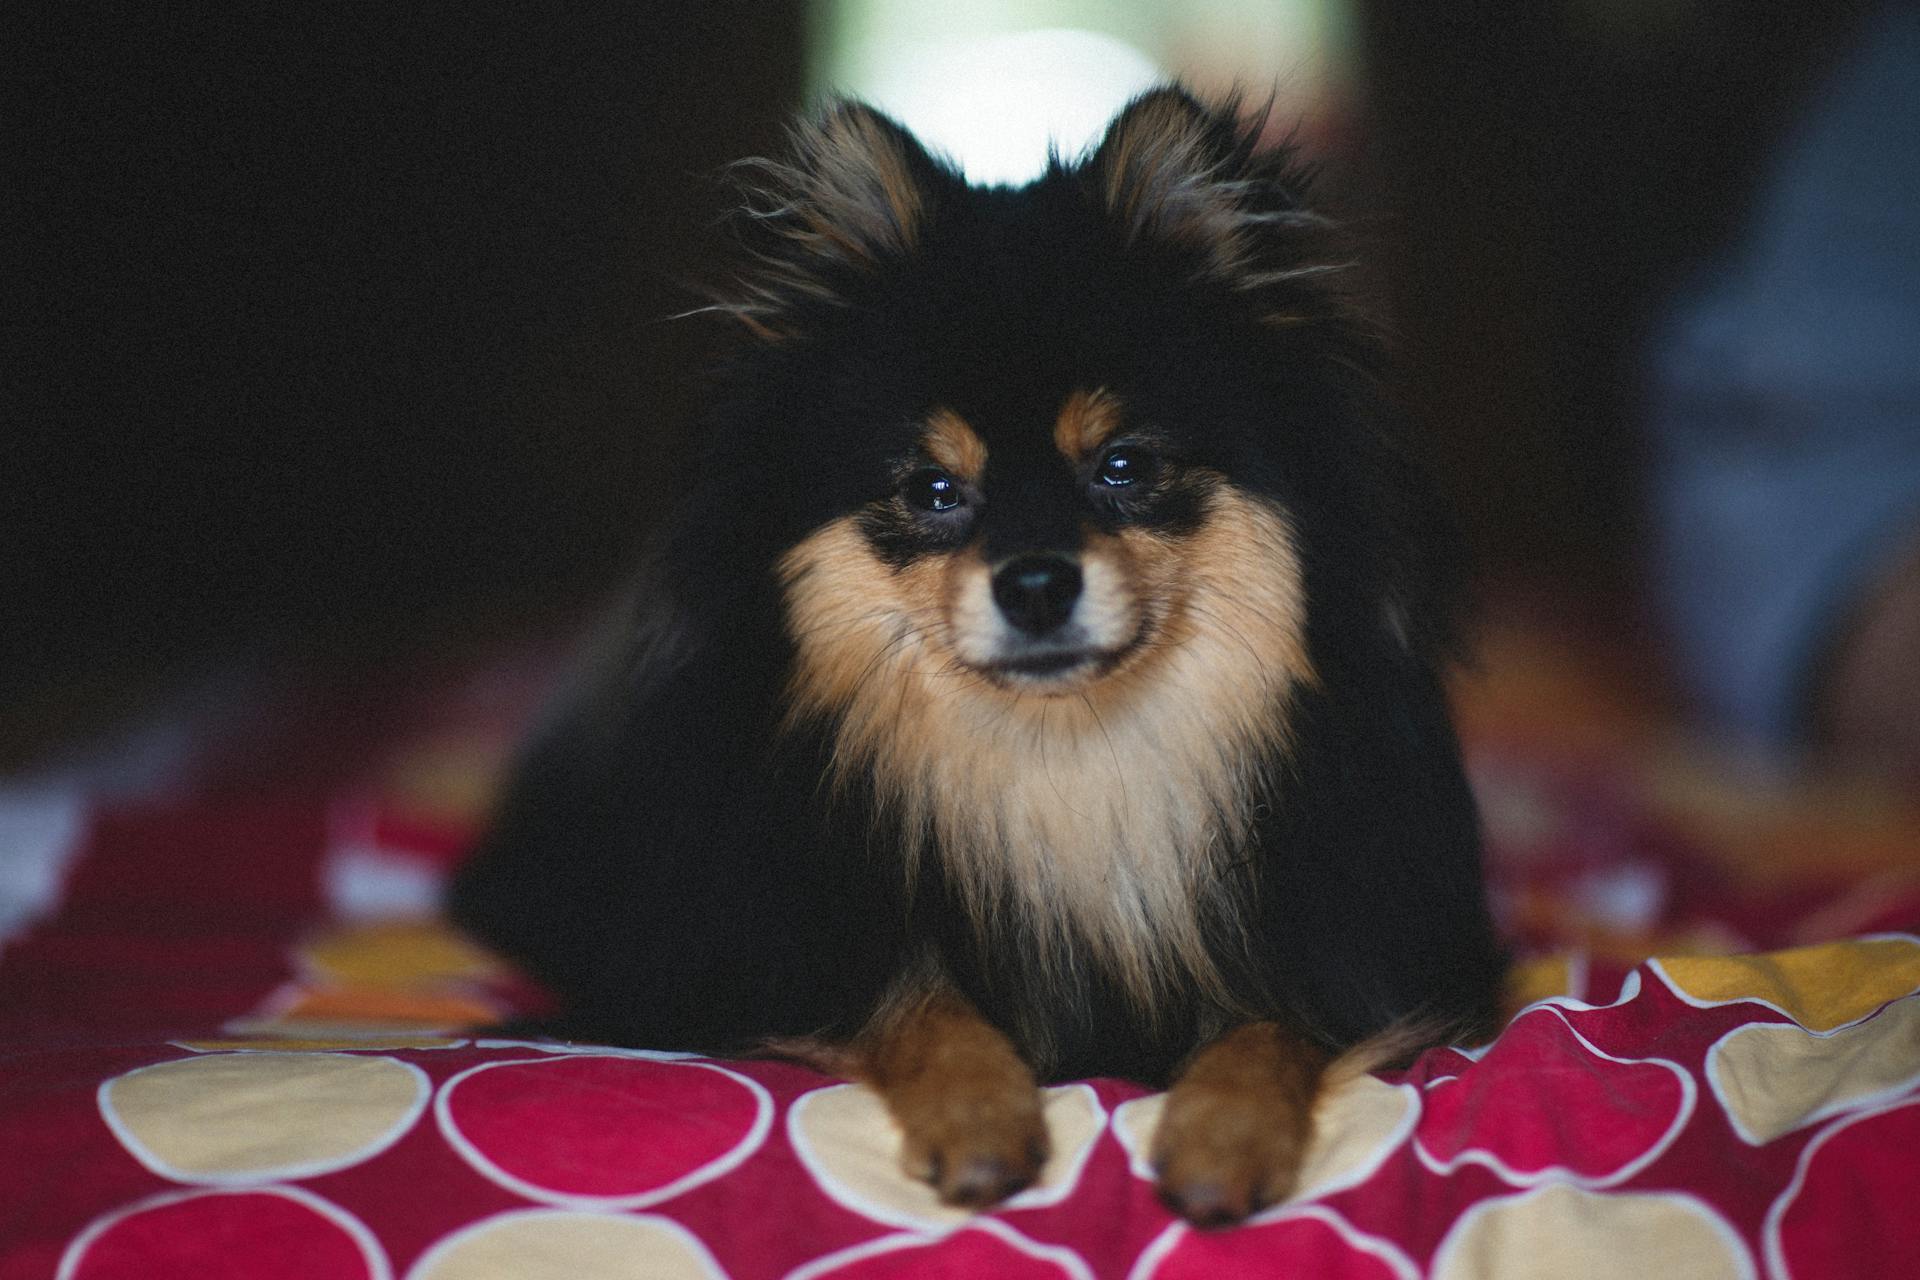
x,y
996,103
992,82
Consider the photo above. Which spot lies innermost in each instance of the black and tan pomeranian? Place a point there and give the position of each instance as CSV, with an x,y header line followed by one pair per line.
x,y
1038,679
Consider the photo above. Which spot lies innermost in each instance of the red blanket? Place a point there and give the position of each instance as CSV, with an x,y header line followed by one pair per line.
x,y
230,1046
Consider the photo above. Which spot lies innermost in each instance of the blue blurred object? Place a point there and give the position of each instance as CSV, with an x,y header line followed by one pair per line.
x,y
1785,399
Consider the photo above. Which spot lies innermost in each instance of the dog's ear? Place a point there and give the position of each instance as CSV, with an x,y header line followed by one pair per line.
x,y
1173,173
852,197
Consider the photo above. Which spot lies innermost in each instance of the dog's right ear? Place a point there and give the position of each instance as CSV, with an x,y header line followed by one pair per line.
x,y
1175,173
853,196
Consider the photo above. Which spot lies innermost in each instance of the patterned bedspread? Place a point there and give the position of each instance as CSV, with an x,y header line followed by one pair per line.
x,y
230,1045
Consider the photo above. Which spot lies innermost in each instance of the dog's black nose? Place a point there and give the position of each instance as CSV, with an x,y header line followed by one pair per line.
x,y
1037,592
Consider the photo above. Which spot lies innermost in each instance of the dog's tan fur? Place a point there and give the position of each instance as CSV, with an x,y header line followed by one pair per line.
x,y
967,1105
1096,815
1087,420
953,444
1237,1122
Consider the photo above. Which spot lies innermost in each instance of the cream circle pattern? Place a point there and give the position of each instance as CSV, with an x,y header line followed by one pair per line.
x,y
238,1118
845,1138
1571,1233
563,1244
1774,1077
1714,1116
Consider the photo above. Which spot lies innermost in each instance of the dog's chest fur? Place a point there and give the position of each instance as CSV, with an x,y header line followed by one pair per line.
x,y
1092,829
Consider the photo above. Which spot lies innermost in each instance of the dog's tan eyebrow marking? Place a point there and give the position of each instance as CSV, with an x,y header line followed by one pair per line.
x,y
1087,420
950,442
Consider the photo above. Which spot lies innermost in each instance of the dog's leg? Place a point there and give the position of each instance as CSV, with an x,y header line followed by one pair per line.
x,y
967,1105
1236,1123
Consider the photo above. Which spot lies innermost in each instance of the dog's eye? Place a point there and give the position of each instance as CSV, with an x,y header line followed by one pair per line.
x,y
1124,466
932,489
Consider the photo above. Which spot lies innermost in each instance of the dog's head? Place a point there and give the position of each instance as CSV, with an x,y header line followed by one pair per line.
x,y
1110,433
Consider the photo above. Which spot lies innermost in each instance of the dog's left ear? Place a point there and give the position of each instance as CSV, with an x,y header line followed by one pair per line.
x,y
851,198
1175,173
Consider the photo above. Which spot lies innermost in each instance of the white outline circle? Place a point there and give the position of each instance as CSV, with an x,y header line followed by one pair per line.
x,y
1629,992
336,1044
718,1167
1066,1258
1770,1243
378,1268
1389,1253
1559,1173
579,1049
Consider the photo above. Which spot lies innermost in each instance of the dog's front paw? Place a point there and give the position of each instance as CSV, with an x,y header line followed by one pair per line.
x,y
1236,1125
977,1143
1220,1157
968,1107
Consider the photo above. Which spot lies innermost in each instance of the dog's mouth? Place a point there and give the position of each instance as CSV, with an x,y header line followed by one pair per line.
x,y
1060,668
1054,667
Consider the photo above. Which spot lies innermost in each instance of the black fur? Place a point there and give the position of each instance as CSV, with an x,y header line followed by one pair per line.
x,y
669,860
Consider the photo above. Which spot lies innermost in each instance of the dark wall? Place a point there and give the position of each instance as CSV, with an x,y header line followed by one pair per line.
x,y
337,341
336,345
1549,171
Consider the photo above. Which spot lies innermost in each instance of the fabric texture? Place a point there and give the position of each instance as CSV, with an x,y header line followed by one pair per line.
x,y
234,1046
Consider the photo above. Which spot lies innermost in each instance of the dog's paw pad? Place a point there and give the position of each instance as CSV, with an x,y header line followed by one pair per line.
x,y
979,1180
1218,1188
1207,1202
1221,1157
1235,1126
977,1165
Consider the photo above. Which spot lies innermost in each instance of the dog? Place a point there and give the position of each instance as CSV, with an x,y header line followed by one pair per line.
x,y
1039,676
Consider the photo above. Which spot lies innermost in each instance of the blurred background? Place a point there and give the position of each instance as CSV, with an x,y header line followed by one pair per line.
x,y
336,367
